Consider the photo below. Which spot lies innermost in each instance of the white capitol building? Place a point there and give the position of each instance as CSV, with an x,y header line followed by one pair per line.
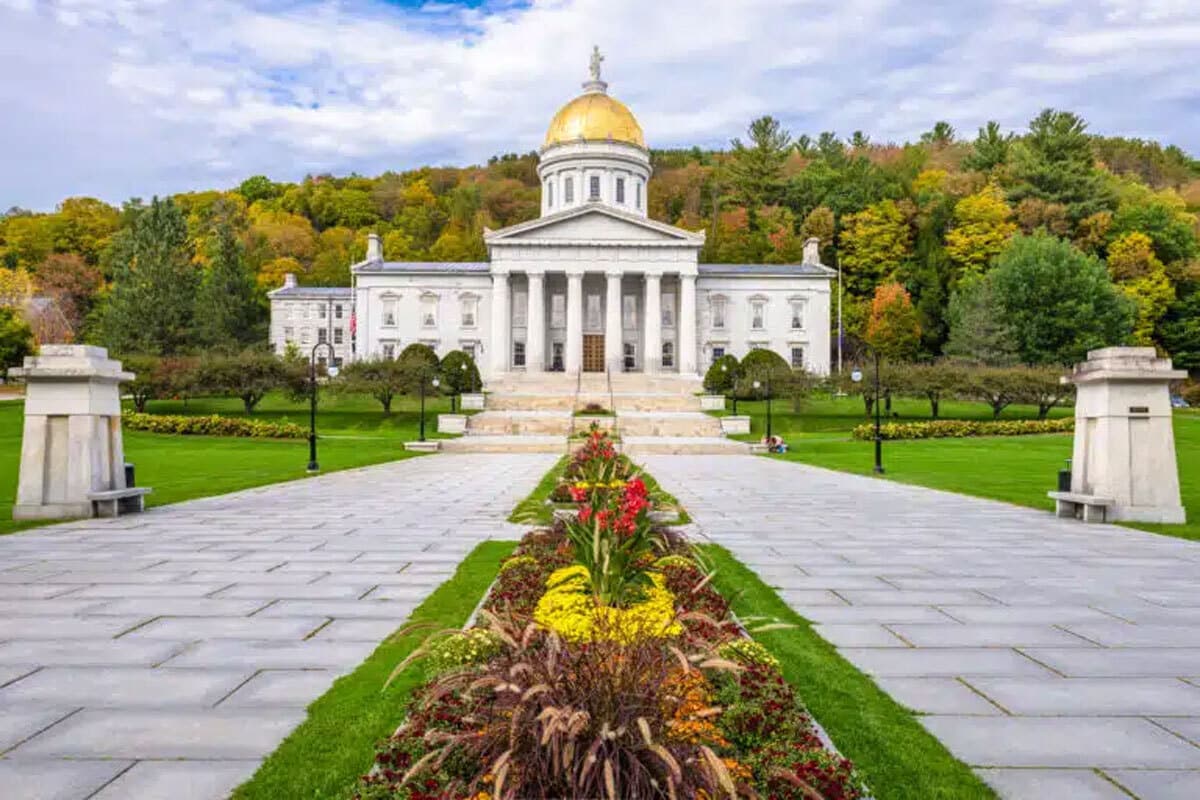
x,y
592,285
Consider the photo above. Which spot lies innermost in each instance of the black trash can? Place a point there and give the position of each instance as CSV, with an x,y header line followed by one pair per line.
x,y
129,475
1064,478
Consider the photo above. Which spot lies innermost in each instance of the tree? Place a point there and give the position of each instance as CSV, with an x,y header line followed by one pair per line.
x,y
1152,295
893,329
768,369
933,382
248,375
146,384
1058,303
459,373
72,283
16,287
421,355
258,187
1179,332
982,227
722,376
999,387
227,309
151,308
16,339
940,135
875,245
1054,163
979,331
1132,256
990,149
820,223
1173,232
756,170
382,378
1043,387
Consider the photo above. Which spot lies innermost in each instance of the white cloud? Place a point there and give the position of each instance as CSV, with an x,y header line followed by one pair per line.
x,y
125,97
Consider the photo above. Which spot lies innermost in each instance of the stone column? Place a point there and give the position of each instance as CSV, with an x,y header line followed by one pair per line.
x,y
501,324
535,333
1124,441
574,322
687,324
652,344
72,439
612,323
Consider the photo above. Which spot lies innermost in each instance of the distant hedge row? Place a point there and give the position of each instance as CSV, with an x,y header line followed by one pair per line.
x,y
955,428
213,425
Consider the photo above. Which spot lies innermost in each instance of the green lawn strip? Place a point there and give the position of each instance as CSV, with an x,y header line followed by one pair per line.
x,y
534,510
897,757
323,758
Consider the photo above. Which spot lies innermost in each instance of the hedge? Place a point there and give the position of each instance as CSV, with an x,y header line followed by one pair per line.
x,y
959,428
213,425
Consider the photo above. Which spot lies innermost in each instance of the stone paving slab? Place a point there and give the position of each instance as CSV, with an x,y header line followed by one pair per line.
x,y
1055,657
164,654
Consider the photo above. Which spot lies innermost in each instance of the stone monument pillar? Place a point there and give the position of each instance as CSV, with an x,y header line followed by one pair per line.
x,y
1124,440
71,445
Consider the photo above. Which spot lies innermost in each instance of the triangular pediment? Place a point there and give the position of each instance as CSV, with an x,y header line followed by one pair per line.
x,y
593,223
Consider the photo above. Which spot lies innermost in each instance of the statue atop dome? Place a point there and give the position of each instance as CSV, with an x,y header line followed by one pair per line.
x,y
594,85
594,67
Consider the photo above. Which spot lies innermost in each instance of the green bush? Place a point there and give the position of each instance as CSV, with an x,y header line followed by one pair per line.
x,y
722,375
459,373
1192,395
769,369
214,425
960,428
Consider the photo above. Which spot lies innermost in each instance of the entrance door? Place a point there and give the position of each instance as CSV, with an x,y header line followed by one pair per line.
x,y
593,352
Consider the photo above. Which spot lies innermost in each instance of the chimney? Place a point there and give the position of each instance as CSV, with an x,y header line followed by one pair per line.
x,y
289,280
374,247
812,250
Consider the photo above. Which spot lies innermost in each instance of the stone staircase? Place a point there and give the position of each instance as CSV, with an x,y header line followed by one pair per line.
x,y
540,412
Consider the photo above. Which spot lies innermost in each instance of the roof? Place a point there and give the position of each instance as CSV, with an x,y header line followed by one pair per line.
x,y
807,270
594,117
312,293
595,207
423,266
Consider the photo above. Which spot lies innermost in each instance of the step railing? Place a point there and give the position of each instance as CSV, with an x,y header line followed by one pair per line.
x,y
612,406
574,406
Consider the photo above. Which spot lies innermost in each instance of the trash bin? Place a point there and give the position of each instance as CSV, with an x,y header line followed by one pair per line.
x,y
1064,478
129,475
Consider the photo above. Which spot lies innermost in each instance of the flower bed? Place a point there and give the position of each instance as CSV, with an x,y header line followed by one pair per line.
x,y
212,425
604,665
960,428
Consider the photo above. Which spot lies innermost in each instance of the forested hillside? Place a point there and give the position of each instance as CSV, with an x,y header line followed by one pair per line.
x,y
917,228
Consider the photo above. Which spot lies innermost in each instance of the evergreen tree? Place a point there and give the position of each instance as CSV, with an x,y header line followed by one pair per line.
x,y
756,170
1054,164
978,331
227,309
991,149
151,308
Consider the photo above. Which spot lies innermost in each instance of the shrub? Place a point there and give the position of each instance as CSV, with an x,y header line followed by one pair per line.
x,y
382,378
248,375
769,369
459,373
422,353
1191,394
722,376
213,425
960,428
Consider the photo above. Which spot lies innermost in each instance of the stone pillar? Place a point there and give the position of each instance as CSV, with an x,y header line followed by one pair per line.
x,y
501,324
72,439
1124,440
612,323
535,333
687,325
652,343
574,322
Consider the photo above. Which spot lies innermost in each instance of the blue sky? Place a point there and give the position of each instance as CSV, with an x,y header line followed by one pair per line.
x,y
120,98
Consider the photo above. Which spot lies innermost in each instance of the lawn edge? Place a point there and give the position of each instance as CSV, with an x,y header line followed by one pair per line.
x,y
327,752
896,755
535,502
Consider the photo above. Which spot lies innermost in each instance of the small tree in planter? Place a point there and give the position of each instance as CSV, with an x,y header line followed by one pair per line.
x,y
459,375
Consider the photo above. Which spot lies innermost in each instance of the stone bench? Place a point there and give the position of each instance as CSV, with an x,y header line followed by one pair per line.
x,y
1087,507
114,502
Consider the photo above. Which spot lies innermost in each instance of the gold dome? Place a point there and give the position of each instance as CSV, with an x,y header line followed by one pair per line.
x,y
594,117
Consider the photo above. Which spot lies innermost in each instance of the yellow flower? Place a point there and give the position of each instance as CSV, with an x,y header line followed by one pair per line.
x,y
567,608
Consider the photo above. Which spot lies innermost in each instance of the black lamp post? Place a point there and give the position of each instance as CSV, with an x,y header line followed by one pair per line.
x,y
856,376
757,386
313,466
435,383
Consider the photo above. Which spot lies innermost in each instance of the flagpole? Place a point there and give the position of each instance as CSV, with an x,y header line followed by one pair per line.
x,y
838,259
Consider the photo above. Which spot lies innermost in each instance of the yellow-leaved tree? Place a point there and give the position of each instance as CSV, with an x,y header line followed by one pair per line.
x,y
875,243
1142,278
983,224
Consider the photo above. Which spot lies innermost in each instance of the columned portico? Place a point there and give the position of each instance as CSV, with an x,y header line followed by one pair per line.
x,y
652,357
574,322
687,324
535,347
612,322
501,323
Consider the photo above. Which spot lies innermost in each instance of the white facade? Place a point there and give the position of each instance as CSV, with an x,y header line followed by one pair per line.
x,y
308,315
592,285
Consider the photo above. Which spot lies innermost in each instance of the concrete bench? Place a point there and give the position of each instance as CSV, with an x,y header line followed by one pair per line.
x,y
1087,507
114,502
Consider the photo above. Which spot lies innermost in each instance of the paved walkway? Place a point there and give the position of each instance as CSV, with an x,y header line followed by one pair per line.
x,y
1058,659
164,655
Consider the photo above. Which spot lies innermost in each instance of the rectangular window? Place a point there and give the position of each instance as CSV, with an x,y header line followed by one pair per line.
x,y
637,193
322,310
322,336
337,362
389,313
337,312
630,357
469,306
797,358
568,190
718,353
305,336
429,312
594,187
469,350
620,190
520,309
389,351
337,335
549,194
668,310
629,311
591,312
518,354
289,334
758,315
718,312
797,315
558,311
668,354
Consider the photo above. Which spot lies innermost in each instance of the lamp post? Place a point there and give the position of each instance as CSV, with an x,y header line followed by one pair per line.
x,y
857,377
725,369
757,386
332,371
435,383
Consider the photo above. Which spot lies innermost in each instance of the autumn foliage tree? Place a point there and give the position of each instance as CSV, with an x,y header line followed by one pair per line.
x,y
893,328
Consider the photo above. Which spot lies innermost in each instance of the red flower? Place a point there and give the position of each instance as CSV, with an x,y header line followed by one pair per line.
x,y
585,513
578,495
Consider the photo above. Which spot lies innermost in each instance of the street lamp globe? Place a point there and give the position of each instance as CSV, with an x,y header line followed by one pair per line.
x,y
757,385
856,376
332,372
435,383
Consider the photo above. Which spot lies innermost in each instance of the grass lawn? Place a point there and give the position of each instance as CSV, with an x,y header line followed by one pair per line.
x,y
1015,469
353,433
899,759
323,758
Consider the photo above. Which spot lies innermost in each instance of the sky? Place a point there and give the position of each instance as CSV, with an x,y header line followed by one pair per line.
x,y
130,98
